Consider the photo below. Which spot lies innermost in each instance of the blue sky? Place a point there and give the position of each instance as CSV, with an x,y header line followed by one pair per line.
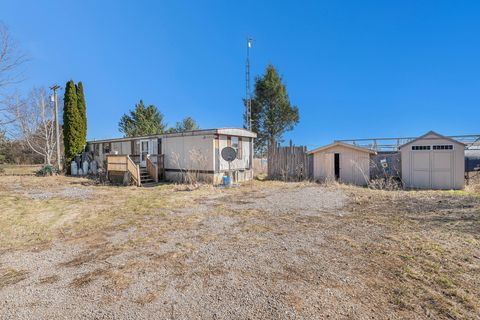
x,y
355,69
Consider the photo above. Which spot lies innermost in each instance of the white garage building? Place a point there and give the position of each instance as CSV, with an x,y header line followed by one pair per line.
x,y
433,161
342,162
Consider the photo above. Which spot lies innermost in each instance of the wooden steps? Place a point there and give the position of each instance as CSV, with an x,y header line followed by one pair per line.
x,y
145,179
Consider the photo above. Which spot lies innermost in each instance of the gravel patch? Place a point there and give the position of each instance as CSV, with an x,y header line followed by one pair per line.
x,y
70,193
306,200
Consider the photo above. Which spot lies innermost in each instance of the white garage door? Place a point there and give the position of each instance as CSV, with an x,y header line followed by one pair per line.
x,y
432,167
420,169
442,167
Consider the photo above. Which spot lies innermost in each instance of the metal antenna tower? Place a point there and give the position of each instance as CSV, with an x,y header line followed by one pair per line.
x,y
248,98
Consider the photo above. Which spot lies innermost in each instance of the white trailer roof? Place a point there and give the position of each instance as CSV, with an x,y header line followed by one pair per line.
x,y
222,131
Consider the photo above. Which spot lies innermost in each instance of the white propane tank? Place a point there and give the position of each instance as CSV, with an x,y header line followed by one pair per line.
x,y
80,172
85,167
93,167
73,168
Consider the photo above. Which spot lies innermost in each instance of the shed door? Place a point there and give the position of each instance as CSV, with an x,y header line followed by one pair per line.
x,y
329,166
420,169
442,165
337,165
432,169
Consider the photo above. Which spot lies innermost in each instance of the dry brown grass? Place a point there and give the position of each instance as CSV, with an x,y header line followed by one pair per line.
x,y
30,222
49,279
473,183
21,170
10,276
420,249
87,278
430,258
146,298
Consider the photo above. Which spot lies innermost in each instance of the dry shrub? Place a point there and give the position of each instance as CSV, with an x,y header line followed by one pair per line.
x,y
387,183
473,184
191,167
329,183
260,166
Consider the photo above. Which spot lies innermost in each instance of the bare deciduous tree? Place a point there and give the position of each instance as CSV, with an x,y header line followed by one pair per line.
x,y
35,122
11,60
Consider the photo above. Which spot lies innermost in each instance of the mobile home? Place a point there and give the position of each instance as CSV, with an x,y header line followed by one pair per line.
x,y
178,155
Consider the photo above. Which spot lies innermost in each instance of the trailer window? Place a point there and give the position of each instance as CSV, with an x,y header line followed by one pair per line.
x,y
239,150
106,148
235,143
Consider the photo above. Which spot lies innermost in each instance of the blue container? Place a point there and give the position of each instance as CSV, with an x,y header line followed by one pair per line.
x,y
226,180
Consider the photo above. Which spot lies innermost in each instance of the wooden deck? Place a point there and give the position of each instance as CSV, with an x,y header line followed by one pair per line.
x,y
121,164
124,164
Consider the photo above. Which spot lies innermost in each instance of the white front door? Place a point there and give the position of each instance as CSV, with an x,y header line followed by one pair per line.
x,y
144,151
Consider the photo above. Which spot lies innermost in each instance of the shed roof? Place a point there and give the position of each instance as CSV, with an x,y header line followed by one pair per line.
x,y
342,144
223,131
429,133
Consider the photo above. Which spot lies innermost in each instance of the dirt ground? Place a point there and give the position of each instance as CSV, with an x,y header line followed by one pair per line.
x,y
71,249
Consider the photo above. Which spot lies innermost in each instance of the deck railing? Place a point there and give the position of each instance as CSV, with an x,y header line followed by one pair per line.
x,y
152,168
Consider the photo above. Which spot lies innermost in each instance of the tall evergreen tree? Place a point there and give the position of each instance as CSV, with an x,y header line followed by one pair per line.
x,y
82,109
72,123
142,121
272,112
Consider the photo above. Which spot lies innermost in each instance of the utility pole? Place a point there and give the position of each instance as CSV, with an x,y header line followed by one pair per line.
x,y
57,131
248,99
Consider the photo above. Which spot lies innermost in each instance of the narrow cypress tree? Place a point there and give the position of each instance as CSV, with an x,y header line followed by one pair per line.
x,y
82,109
71,124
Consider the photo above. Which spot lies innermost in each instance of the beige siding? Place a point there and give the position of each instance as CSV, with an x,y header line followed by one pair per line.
x,y
192,153
237,164
354,165
433,169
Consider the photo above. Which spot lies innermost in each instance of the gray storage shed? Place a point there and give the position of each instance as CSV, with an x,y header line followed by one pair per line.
x,y
433,161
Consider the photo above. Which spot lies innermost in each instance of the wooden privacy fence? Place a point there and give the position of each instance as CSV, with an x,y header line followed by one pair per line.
x,y
290,163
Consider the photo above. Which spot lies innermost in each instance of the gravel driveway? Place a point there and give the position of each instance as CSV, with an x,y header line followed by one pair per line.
x,y
280,252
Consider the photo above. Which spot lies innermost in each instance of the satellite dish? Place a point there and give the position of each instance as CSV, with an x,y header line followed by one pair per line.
x,y
229,154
